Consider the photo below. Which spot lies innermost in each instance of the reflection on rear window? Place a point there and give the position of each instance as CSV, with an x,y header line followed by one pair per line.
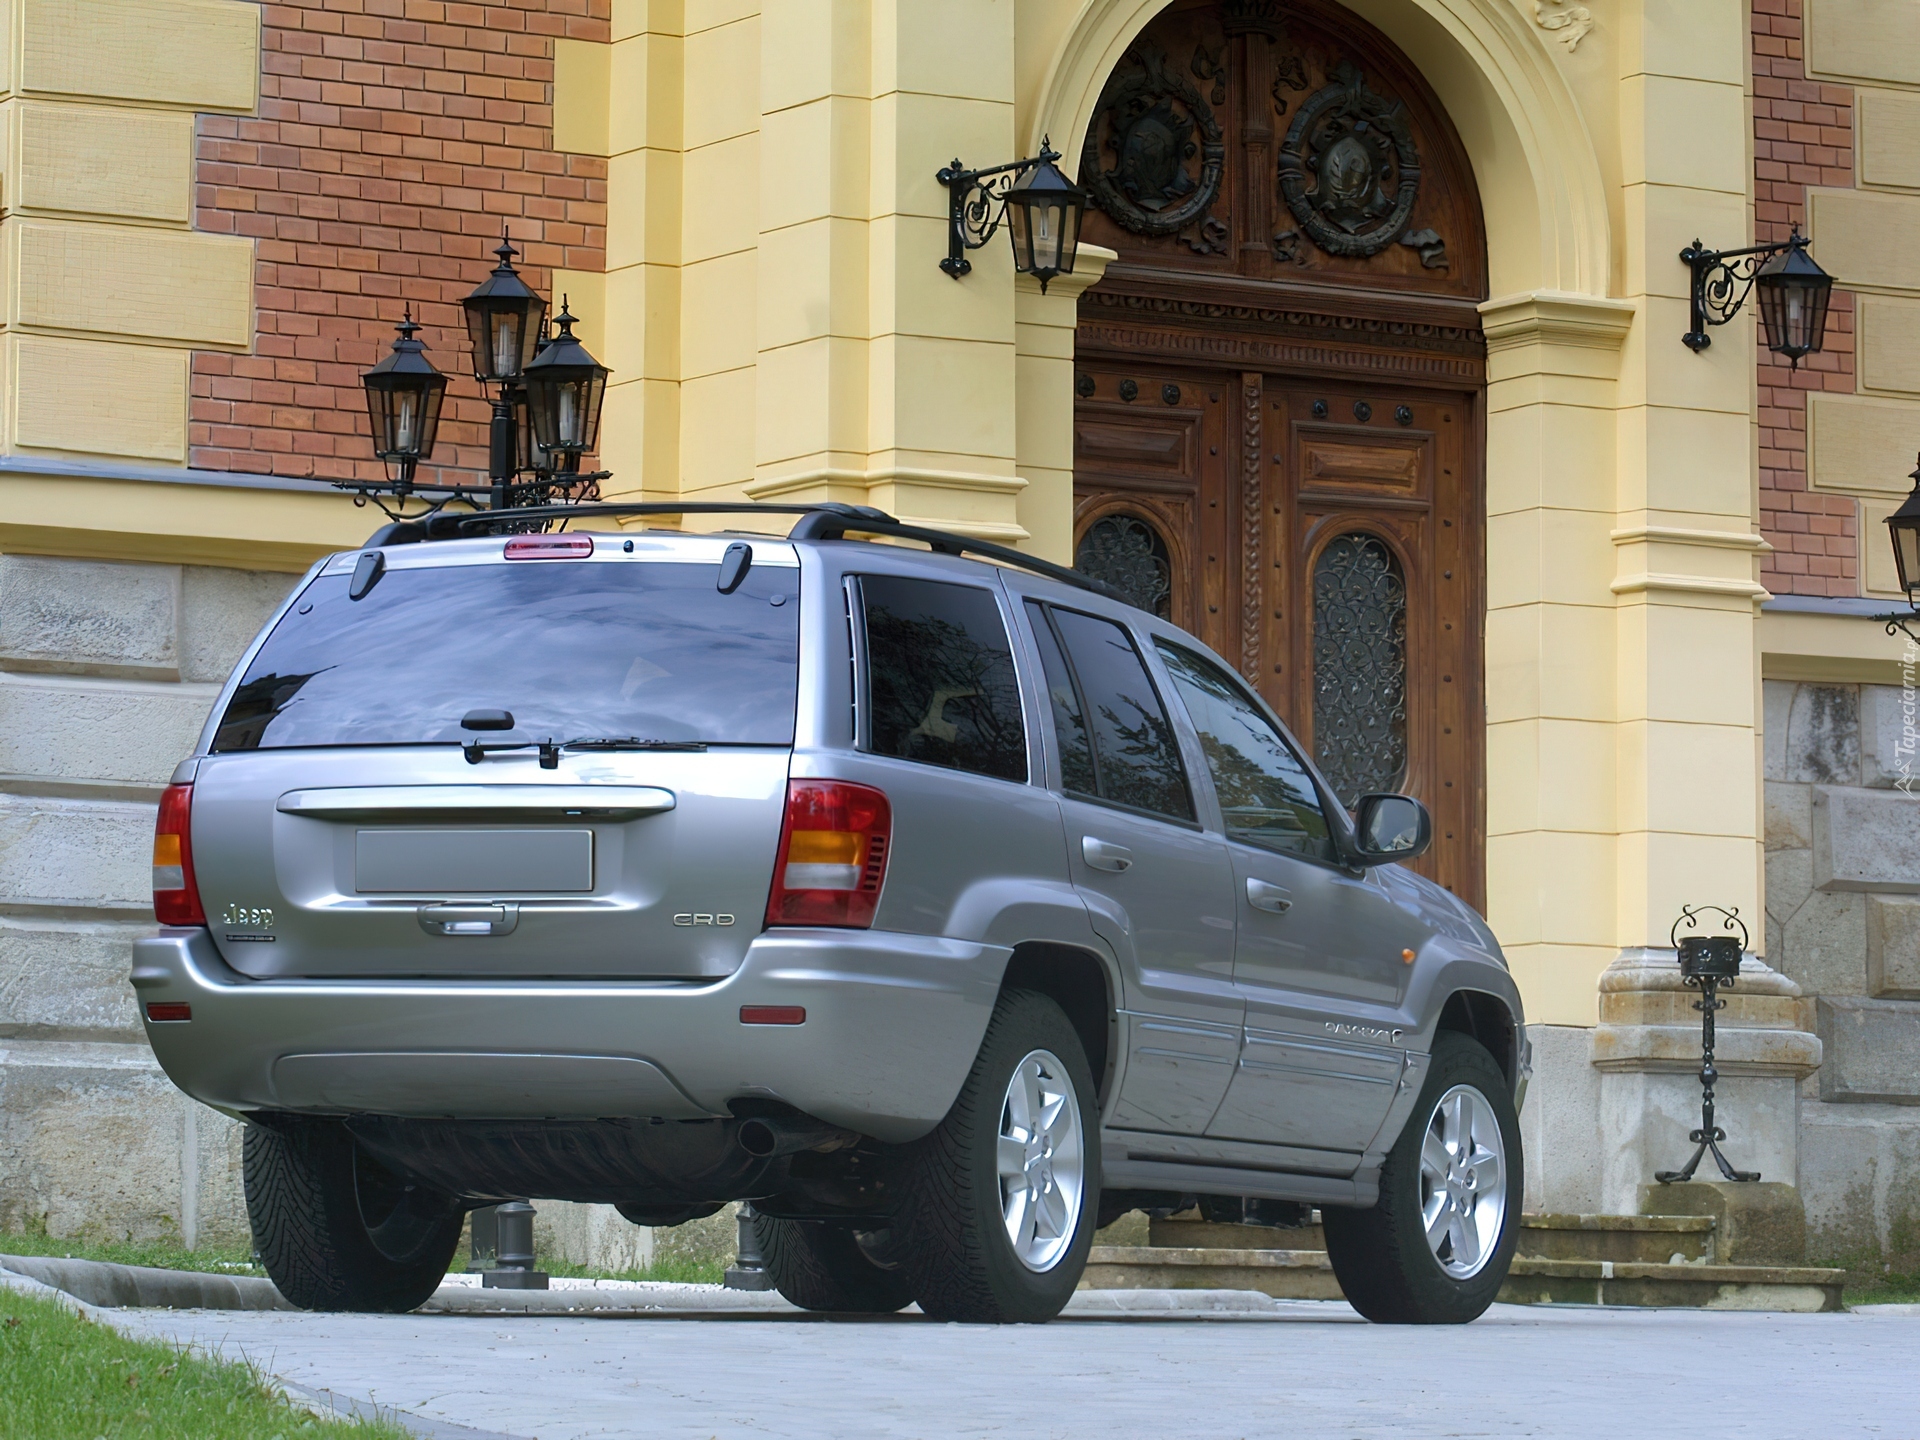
x,y
573,650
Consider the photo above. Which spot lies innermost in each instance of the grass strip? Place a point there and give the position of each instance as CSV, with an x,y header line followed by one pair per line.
x,y
159,1254
63,1377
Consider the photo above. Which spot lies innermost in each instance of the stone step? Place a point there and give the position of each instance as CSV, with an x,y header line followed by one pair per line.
x,y
1308,1275
1623,1239
1185,1232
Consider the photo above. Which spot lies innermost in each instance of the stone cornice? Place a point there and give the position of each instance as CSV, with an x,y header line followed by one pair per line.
x,y
1556,317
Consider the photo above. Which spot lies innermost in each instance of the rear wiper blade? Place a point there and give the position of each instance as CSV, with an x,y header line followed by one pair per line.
x,y
476,750
630,742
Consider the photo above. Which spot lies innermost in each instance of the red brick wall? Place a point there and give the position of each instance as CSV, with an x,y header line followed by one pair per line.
x,y
1803,135
394,139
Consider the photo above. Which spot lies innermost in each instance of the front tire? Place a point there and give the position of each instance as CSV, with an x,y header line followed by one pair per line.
x,y
338,1231
821,1267
1435,1249
1001,1199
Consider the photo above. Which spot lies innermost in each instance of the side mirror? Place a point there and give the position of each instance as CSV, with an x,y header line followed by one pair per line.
x,y
1390,828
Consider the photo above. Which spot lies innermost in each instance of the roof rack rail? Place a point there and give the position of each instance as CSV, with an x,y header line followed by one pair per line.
x,y
824,520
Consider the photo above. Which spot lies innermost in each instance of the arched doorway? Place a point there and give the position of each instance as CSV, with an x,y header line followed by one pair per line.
x,y
1280,387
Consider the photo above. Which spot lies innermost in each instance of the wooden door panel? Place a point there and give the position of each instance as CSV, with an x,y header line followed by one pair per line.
x,y
1160,457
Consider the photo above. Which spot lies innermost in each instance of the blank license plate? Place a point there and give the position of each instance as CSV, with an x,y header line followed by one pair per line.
x,y
473,862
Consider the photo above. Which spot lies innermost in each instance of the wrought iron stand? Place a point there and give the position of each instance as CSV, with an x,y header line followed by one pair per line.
x,y
1708,962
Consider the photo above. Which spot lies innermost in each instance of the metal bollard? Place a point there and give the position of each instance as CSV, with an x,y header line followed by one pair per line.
x,y
514,1269
749,1271
485,1248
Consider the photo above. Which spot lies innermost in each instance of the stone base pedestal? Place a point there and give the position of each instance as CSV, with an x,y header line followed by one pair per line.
x,y
1647,1050
1756,1223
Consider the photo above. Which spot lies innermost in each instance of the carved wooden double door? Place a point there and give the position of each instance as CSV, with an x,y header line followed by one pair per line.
x,y
1280,388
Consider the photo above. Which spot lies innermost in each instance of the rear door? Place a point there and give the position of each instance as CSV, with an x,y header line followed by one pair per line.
x,y
1319,951
1157,886
341,829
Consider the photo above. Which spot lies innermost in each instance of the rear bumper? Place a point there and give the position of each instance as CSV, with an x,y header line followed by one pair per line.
x,y
893,1025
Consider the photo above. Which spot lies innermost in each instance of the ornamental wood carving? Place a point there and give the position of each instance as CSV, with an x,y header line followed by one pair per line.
x,y
1280,139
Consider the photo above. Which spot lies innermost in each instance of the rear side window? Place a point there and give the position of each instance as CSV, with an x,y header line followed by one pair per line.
x,y
941,686
599,650
1105,707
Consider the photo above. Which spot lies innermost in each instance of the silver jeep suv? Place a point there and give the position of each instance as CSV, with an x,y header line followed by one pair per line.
x,y
946,908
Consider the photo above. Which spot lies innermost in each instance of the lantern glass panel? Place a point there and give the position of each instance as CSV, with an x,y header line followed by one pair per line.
x,y
505,331
406,418
565,410
1793,294
1906,557
1904,528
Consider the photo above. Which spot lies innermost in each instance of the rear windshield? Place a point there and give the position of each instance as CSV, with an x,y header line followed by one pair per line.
x,y
574,650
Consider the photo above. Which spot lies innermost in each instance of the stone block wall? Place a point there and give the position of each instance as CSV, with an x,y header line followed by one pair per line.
x,y
107,671
1843,920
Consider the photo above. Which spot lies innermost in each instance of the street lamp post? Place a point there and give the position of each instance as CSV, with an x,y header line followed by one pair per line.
x,y
545,394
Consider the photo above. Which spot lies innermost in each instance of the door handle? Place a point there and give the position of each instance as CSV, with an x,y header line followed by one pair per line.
x,y
1276,899
468,919
1104,854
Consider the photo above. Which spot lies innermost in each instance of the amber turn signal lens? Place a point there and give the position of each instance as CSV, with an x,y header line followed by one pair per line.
x,y
1406,957
169,1010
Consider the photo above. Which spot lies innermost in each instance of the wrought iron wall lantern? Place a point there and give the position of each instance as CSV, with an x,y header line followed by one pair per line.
x,y
1040,207
1793,293
546,395
1903,528
1706,963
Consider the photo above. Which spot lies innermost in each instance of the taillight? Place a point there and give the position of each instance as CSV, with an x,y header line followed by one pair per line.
x,y
549,547
176,898
833,855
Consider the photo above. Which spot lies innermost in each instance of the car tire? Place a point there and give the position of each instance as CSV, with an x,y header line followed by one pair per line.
x,y
820,1266
338,1231
1457,1168
992,1249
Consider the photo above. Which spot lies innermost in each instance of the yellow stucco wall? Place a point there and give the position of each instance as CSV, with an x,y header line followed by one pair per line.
x,y
779,328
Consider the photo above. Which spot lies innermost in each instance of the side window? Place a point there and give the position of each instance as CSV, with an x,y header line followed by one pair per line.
x,y
1266,796
941,686
1069,718
1128,743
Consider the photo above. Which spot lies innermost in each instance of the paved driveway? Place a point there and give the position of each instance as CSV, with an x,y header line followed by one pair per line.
x,y
1307,1371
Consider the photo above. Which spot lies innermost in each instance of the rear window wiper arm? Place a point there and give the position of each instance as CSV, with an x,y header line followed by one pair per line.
x,y
550,749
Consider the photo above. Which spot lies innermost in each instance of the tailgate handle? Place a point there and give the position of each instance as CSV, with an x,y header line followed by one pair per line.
x,y
468,919
369,802
1276,899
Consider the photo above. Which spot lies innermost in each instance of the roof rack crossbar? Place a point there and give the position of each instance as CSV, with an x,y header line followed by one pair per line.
x,y
822,520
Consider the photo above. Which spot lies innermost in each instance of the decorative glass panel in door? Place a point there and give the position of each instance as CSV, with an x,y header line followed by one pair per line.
x,y
1129,554
1360,666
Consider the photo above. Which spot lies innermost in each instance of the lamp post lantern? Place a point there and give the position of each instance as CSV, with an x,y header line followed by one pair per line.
x,y
506,321
404,394
565,387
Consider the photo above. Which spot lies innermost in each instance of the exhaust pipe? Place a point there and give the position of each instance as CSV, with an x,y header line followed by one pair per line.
x,y
769,1136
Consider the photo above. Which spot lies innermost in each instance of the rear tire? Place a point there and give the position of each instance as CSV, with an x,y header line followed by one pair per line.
x,y
821,1267
1468,1192
998,1213
338,1231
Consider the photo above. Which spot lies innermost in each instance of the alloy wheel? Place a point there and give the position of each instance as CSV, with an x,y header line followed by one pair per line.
x,y
1463,1182
1042,1160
